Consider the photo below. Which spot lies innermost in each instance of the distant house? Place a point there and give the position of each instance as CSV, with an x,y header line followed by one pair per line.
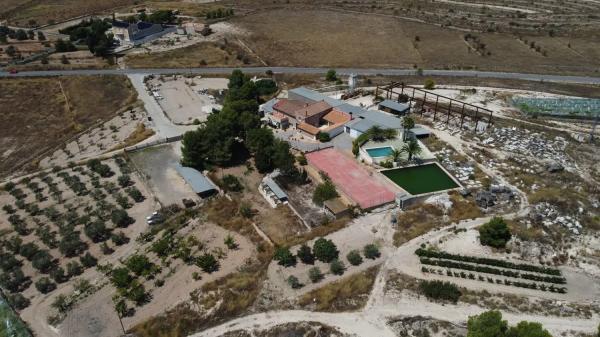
x,y
394,107
199,183
132,32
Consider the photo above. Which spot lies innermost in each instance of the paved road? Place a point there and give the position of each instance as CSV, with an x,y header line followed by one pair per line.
x,y
305,70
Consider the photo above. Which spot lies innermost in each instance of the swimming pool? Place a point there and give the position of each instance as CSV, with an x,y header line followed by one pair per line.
x,y
421,179
378,152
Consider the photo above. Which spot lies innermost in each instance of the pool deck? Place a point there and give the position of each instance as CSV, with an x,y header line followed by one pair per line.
x,y
397,143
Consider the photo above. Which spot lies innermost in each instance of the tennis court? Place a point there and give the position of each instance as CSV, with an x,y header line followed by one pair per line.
x,y
350,178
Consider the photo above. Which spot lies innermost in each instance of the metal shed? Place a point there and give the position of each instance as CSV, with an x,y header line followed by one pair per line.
x,y
394,107
199,183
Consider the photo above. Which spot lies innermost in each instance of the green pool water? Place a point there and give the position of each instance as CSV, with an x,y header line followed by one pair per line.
x,y
421,179
10,324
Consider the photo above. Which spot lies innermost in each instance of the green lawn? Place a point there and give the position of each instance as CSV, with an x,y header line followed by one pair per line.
x,y
421,179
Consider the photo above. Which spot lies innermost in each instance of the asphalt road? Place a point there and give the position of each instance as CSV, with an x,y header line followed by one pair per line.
x,y
306,70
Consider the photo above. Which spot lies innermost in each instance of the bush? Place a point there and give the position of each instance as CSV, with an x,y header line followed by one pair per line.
x,y
231,183
324,191
121,278
305,255
371,251
97,231
102,169
74,269
489,323
439,290
18,301
315,275
58,274
42,261
325,250
323,137
230,242
495,233
44,285
135,194
337,267
124,180
119,239
284,257
139,265
294,282
429,84
208,263
88,260
331,75
120,218
354,258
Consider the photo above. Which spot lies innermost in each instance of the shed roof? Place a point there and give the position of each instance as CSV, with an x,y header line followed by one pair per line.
x,y
335,206
312,109
288,106
315,96
394,105
268,106
279,193
194,178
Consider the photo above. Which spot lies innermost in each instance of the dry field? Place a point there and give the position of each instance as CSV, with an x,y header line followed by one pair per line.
x,y
199,55
305,37
39,114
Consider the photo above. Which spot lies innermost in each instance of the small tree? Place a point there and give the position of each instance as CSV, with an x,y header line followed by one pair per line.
x,y
294,282
325,250
354,258
315,275
528,329
305,255
120,218
412,148
323,192
284,257
44,285
495,233
323,137
337,267
489,323
88,260
331,75
371,251
429,84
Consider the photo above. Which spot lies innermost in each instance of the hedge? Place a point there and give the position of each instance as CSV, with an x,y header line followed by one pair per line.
x,y
490,270
487,261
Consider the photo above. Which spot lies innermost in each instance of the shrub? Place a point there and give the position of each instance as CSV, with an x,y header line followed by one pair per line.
x,y
305,255
337,267
495,233
119,239
331,75
74,269
294,282
371,251
439,290
324,191
124,180
489,323
315,275
354,258
18,301
230,242
429,84
139,265
323,137
42,261
284,257
97,231
121,278
231,183
29,250
44,285
58,274
208,263
88,260
325,250
102,169
120,218
135,194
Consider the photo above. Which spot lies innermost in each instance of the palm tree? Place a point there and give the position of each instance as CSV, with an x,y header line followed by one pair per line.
x,y
396,154
379,134
412,148
407,124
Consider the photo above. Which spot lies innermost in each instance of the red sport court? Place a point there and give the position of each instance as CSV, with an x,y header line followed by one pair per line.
x,y
350,178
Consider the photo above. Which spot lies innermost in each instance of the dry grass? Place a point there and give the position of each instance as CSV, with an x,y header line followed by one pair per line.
x,y
416,221
198,55
348,294
295,37
139,134
36,115
463,208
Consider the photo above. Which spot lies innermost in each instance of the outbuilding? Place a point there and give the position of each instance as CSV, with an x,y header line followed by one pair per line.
x,y
200,184
393,107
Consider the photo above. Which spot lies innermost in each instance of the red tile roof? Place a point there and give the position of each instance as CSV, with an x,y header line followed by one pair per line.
x,y
288,106
312,110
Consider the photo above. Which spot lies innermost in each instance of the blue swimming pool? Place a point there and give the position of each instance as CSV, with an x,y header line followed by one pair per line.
x,y
378,152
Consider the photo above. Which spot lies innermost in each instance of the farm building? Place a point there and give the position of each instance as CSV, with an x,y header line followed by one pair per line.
x,y
272,192
393,107
199,183
132,32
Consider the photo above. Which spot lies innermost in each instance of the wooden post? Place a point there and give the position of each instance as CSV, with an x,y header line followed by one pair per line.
x,y
437,98
476,118
423,104
449,111
462,117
